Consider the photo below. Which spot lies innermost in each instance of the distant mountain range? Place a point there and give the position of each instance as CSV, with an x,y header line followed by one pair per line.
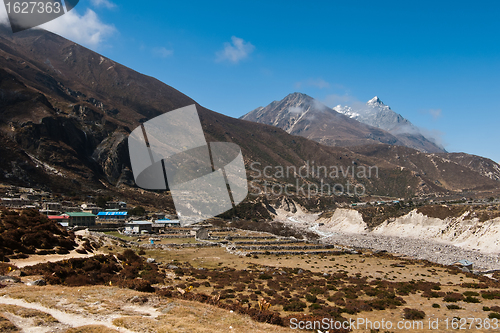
x,y
300,114
376,113
66,113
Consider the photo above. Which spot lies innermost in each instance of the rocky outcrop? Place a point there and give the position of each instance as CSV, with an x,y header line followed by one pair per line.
x,y
113,157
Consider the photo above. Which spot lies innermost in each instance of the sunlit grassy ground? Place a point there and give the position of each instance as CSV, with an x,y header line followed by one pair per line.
x,y
159,314
115,306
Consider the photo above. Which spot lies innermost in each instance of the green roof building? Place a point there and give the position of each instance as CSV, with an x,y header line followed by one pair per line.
x,y
80,219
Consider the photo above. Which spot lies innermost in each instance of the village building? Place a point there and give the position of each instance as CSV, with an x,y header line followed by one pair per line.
x,y
112,215
90,208
160,225
31,197
14,202
61,219
80,219
120,205
138,227
52,206
169,223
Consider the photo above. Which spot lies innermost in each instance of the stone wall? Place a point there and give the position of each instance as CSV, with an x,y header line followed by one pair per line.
x,y
285,247
269,242
297,253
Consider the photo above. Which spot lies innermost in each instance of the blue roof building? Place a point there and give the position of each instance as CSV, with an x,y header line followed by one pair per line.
x,y
168,223
112,215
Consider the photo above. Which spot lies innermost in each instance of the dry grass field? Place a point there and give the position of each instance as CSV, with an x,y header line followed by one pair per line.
x,y
210,289
111,309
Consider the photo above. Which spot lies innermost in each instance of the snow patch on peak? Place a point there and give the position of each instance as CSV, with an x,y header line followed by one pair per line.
x,y
347,111
375,100
376,113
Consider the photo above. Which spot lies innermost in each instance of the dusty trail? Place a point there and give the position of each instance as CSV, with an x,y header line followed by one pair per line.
x,y
70,319
37,259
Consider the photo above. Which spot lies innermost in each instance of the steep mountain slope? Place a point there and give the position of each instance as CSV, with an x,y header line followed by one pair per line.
x,y
484,166
300,114
66,112
376,113
445,170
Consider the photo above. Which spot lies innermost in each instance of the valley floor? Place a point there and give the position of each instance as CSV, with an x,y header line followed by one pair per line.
x,y
438,251
339,285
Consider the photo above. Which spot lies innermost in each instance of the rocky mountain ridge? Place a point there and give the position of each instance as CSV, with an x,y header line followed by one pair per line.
x,y
66,112
345,126
300,114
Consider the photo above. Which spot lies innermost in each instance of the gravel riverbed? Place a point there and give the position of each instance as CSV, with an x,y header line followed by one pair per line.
x,y
416,248
434,251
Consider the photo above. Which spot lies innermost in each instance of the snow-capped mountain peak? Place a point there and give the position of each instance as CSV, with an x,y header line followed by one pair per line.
x,y
300,114
375,101
376,113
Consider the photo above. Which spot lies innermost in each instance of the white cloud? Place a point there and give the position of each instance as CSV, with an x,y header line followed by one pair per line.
x,y
296,109
435,136
162,52
235,51
435,113
333,100
319,106
85,29
4,19
318,83
103,3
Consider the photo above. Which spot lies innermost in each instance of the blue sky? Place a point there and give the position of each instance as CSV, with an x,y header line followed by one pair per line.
x,y
437,64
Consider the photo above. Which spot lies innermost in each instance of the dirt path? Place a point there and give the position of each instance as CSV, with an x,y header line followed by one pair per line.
x,y
36,259
65,318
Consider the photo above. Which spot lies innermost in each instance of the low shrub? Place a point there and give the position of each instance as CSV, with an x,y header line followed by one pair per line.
x,y
314,306
494,315
470,299
294,306
413,314
453,297
29,232
311,298
135,273
494,294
